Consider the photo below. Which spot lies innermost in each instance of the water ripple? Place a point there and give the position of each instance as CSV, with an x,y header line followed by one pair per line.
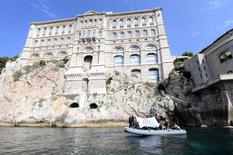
x,y
110,141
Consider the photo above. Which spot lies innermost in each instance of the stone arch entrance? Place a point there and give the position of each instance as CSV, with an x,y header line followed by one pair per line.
x,y
87,62
85,82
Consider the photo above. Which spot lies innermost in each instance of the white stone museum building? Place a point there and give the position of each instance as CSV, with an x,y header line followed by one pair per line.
x,y
134,43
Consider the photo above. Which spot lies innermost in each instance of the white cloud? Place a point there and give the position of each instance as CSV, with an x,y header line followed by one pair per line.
x,y
192,34
43,6
228,23
213,5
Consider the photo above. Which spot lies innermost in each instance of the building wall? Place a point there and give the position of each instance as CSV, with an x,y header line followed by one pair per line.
x,y
218,67
211,72
104,37
207,66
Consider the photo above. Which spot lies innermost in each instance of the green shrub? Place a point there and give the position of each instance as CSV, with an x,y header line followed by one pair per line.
x,y
178,64
42,63
190,54
150,84
160,98
109,80
61,64
65,60
16,75
117,73
27,68
4,60
1,70
39,64
162,85
36,65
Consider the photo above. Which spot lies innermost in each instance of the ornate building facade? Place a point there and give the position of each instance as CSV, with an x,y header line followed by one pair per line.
x,y
134,43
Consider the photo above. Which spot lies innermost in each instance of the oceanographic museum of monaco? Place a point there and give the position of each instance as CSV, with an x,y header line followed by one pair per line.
x,y
134,43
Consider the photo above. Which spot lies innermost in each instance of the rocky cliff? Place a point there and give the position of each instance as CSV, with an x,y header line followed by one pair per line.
x,y
206,107
33,95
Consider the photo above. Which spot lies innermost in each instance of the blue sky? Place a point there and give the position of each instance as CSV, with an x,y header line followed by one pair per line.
x,y
191,25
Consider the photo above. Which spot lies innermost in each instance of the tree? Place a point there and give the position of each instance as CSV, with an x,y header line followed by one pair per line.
x,y
186,53
3,61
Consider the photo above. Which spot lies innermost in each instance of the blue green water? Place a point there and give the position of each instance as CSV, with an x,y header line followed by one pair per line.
x,y
112,141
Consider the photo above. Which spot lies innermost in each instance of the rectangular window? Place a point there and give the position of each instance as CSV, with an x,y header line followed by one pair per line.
x,y
225,56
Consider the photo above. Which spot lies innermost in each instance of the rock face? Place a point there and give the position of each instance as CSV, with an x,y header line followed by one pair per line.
x,y
204,107
37,96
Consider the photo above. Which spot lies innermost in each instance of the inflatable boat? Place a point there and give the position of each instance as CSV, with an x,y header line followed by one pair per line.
x,y
150,132
153,124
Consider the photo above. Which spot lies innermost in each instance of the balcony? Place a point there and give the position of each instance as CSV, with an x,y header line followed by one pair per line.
x,y
88,38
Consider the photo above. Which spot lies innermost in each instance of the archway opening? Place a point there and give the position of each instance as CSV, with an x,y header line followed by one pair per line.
x,y
85,84
87,62
93,106
74,105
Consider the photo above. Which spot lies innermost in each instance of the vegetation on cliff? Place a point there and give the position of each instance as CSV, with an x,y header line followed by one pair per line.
x,y
4,60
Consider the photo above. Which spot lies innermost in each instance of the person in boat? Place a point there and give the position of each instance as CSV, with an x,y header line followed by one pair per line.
x,y
131,121
166,124
135,123
176,127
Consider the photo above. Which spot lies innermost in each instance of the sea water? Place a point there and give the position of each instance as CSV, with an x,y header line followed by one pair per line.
x,y
112,141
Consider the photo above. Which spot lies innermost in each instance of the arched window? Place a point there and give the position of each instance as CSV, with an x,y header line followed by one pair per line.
x,y
136,22
118,60
121,23
137,33
150,21
50,30
48,55
100,21
136,72
151,58
94,33
57,30
83,34
135,48
89,49
63,29
35,55
153,33
62,53
100,34
70,28
129,23
44,31
154,74
135,59
143,21
122,35
145,33
114,35
114,24
38,31
87,62
90,22
151,47
81,23
130,35
88,33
